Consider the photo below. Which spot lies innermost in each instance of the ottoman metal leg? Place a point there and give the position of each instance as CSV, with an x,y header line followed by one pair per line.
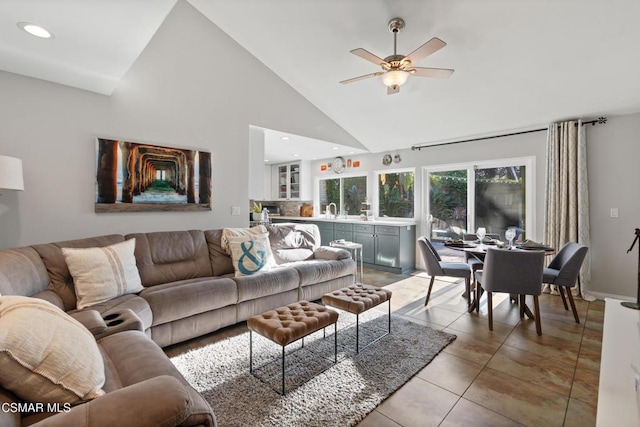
x,y
283,370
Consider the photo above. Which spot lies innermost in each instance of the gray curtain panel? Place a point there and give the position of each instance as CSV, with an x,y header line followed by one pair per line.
x,y
567,192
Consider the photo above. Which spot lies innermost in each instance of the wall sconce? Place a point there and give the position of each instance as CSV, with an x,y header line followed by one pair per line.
x,y
11,173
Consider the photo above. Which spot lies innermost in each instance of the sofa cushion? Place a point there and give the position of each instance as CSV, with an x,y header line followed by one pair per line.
x,y
220,261
293,242
131,357
45,355
273,282
250,254
101,274
177,300
60,278
318,270
170,256
22,272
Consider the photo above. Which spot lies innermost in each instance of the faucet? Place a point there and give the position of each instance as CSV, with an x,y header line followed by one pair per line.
x,y
335,210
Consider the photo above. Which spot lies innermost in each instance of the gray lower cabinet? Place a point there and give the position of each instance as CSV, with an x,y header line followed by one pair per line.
x,y
390,248
363,234
343,231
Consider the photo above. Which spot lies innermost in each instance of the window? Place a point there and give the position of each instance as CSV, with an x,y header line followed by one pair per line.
x,y
396,194
347,193
496,195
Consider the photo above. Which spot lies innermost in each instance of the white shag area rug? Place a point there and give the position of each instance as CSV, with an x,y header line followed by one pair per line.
x,y
319,393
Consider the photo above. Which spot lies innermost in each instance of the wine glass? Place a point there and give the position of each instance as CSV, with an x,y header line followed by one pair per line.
x,y
481,232
510,234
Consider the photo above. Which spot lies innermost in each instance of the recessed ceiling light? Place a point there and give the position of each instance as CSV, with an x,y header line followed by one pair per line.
x,y
266,160
296,155
336,148
285,138
35,30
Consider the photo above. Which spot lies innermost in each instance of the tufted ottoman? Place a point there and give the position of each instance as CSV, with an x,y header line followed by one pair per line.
x,y
290,323
357,299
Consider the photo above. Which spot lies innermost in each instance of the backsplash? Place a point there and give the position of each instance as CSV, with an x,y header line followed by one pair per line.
x,y
286,208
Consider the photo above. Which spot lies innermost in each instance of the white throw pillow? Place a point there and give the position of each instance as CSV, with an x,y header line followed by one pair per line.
x,y
251,254
101,274
46,355
235,232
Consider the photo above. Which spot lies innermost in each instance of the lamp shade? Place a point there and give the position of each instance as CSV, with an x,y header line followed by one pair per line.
x,y
395,78
11,173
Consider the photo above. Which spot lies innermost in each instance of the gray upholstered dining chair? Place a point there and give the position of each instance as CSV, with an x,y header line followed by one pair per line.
x,y
436,267
474,262
513,272
564,270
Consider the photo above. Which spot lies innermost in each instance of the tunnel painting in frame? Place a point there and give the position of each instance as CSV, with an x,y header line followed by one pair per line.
x,y
139,177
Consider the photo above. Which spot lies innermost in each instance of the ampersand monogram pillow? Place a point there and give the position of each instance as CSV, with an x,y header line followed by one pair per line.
x,y
251,254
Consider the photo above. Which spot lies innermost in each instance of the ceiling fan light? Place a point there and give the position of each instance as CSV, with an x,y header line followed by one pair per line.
x,y
395,78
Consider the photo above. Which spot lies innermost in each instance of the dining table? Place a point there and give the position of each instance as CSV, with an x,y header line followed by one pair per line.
x,y
479,250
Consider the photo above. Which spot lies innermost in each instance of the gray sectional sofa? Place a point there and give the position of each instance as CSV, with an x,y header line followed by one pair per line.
x,y
189,290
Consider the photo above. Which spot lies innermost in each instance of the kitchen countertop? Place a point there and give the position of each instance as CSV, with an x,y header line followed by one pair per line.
x,y
397,223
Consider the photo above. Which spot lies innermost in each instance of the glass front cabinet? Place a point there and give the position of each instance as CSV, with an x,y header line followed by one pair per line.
x,y
288,181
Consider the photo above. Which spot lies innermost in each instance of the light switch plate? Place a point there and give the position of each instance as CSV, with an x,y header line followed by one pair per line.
x,y
235,210
614,212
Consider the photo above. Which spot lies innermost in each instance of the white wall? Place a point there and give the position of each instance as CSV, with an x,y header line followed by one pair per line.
x,y
192,87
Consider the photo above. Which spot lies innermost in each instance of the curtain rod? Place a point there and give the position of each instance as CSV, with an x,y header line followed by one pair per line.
x,y
599,121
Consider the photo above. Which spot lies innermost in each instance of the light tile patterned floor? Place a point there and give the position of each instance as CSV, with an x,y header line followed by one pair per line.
x,y
508,377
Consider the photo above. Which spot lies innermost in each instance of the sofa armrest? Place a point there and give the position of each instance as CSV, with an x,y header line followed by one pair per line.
x,y
90,319
329,253
121,320
159,401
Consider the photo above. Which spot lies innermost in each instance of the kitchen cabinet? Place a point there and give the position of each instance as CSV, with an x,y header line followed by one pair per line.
x,y
387,247
289,181
343,230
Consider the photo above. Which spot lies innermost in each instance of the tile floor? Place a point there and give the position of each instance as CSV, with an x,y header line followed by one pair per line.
x,y
508,377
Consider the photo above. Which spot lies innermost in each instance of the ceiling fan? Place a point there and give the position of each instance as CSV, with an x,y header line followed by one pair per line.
x,y
397,68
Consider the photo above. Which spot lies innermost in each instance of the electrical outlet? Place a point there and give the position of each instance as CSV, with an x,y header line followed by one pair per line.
x,y
235,210
614,212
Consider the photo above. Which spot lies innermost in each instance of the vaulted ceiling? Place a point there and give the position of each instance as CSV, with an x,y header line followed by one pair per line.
x,y
518,64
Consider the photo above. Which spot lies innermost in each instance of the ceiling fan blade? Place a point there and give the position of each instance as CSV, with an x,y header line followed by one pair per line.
x,y
366,76
430,47
393,89
365,54
438,73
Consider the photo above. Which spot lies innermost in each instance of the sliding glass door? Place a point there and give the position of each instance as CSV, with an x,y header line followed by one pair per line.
x,y
496,195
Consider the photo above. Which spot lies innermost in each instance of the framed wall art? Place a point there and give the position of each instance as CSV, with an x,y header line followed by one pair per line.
x,y
138,177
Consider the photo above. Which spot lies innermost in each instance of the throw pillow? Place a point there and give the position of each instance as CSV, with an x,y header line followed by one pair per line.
x,y
234,232
45,355
101,274
250,254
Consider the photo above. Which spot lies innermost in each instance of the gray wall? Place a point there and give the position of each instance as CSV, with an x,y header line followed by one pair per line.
x,y
192,87
614,182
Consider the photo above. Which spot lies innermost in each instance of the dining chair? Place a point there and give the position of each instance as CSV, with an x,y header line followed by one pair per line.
x,y
513,272
474,261
564,270
436,267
